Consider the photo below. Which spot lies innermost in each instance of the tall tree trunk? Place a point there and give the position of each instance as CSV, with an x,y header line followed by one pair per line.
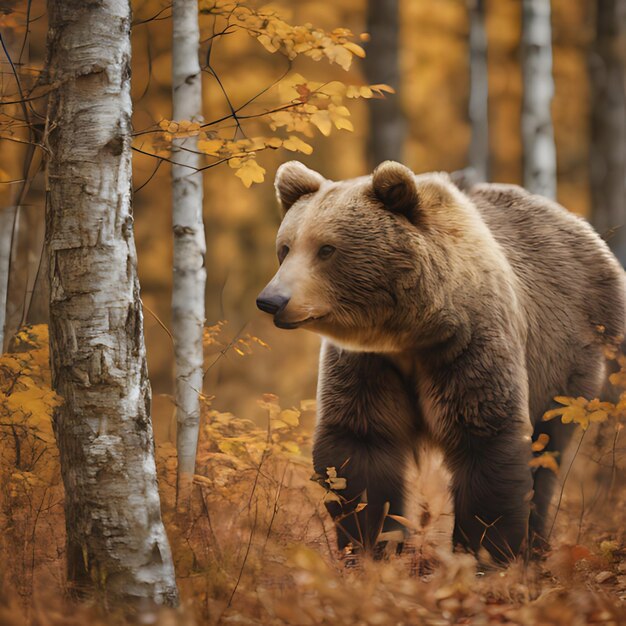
x,y
7,218
479,92
115,536
537,131
608,124
189,279
382,65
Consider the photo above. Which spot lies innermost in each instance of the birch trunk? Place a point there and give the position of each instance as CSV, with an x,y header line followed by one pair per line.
x,y
608,124
115,537
382,65
189,278
479,92
537,131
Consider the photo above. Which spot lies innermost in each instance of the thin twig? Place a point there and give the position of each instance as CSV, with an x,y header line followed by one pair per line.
x,y
224,350
558,505
275,508
245,556
161,324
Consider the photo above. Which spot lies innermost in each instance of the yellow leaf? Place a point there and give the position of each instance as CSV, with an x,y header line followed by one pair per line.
x,y
340,55
404,521
618,379
296,144
321,119
596,404
250,172
287,88
338,483
548,415
274,142
308,405
541,443
598,416
381,89
234,446
210,146
547,460
267,43
355,49
334,88
344,124
574,414
356,91
290,416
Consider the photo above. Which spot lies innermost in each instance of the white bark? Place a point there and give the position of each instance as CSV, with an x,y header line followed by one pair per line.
x,y
537,131
382,65
608,125
115,536
7,217
479,92
189,278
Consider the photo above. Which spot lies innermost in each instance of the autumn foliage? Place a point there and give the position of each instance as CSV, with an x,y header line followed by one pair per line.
x,y
257,547
292,104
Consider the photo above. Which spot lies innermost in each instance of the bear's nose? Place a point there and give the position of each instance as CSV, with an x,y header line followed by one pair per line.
x,y
272,304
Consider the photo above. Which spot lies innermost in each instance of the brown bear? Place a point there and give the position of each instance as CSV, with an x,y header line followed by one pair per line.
x,y
449,317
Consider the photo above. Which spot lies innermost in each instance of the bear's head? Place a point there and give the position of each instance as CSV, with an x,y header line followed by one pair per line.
x,y
350,253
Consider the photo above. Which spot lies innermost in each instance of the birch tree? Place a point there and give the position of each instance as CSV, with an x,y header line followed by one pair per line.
x,y
382,65
537,131
115,536
608,124
479,92
189,243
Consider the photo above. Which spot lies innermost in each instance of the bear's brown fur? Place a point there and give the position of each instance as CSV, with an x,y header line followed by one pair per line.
x,y
447,316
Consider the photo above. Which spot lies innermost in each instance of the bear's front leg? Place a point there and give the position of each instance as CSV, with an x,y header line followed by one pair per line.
x,y
366,431
477,407
374,488
492,488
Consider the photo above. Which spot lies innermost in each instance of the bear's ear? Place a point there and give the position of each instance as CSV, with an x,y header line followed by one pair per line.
x,y
394,185
294,180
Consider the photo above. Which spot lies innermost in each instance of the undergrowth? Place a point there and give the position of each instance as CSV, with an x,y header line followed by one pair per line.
x,y
256,546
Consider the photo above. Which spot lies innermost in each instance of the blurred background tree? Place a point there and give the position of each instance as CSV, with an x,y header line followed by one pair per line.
x,y
608,122
537,129
478,159
387,121
189,242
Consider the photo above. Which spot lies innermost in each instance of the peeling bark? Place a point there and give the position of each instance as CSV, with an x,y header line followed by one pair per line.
x,y
189,280
537,130
608,124
115,537
382,65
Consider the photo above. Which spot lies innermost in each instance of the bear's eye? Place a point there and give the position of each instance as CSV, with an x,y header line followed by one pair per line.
x,y
325,252
283,251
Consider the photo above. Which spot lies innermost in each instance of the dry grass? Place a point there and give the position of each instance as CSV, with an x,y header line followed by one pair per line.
x,y
256,546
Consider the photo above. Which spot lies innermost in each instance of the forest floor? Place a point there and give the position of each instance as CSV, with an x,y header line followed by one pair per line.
x,y
256,546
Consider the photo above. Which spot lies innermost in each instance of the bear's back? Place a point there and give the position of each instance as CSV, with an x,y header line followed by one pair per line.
x,y
573,286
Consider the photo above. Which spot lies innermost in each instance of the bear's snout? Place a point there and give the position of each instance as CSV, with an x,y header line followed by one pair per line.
x,y
271,303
